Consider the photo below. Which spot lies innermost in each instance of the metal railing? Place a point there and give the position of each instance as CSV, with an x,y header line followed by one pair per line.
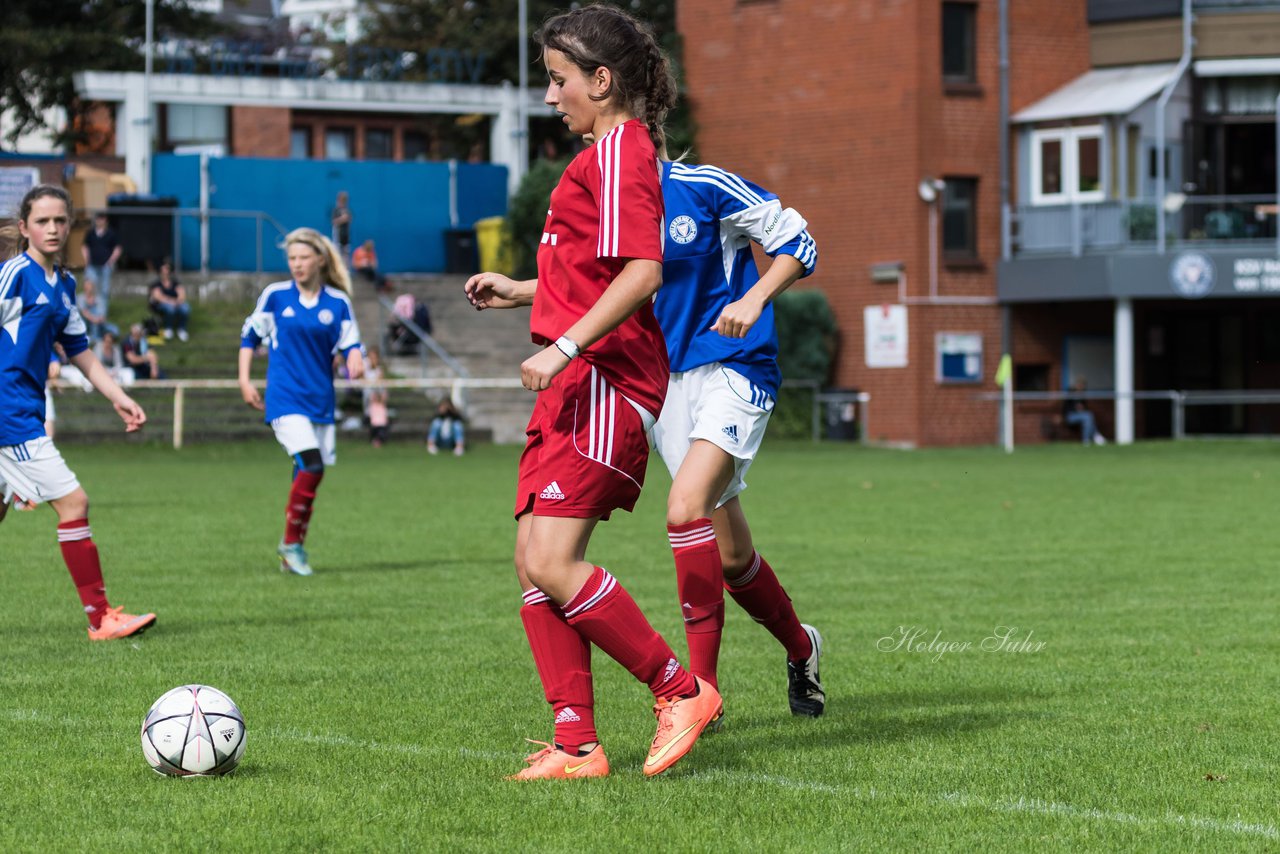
x,y
1131,224
180,388
262,222
1179,400
386,313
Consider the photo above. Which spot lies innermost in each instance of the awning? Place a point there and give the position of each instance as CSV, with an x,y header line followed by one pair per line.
x,y
1253,67
1100,92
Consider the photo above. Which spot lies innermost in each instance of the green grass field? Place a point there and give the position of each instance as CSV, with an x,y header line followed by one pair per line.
x,y
387,696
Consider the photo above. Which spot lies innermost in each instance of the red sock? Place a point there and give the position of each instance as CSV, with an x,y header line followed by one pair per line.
x,y
81,556
758,592
563,659
297,515
699,581
607,616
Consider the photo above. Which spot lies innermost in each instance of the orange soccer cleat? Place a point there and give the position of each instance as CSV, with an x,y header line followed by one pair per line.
x,y
680,722
552,763
117,624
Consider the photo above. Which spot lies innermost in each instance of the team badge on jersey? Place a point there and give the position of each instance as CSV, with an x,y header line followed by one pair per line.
x,y
325,316
683,229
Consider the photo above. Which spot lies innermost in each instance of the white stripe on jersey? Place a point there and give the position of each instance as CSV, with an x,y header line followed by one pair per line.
x,y
609,161
350,336
9,272
717,177
263,322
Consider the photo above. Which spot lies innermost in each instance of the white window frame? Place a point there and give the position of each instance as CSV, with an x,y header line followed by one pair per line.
x,y
1070,138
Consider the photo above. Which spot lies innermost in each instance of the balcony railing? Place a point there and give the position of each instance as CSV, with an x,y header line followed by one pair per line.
x,y
1130,225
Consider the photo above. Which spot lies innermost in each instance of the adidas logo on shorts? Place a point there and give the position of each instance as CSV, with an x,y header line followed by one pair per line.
x,y
567,715
552,492
732,432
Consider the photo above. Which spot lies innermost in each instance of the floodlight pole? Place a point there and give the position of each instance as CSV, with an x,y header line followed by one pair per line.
x,y
522,108
144,180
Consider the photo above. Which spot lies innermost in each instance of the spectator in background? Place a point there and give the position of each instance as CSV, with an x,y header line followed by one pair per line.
x,y
101,250
168,299
1076,413
139,356
447,430
340,219
93,308
109,354
405,310
365,262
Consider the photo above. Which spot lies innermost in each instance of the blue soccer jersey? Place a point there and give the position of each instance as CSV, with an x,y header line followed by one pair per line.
x,y
35,311
302,336
712,218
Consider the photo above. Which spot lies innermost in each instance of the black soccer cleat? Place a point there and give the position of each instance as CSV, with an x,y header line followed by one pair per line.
x,y
804,686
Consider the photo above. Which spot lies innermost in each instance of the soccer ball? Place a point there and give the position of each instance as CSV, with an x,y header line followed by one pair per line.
x,y
193,731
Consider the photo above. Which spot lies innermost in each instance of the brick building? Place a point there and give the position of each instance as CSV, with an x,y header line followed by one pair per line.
x,y
881,122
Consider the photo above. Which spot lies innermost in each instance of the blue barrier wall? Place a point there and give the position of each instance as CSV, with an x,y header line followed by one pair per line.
x,y
403,207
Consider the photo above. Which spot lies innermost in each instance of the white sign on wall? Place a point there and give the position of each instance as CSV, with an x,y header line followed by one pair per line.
x,y
886,335
14,183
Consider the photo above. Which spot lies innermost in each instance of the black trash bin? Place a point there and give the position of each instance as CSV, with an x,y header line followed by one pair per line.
x,y
840,411
146,237
461,252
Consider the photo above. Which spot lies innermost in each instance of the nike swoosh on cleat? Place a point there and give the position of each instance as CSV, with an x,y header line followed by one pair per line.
x,y
574,769
666,748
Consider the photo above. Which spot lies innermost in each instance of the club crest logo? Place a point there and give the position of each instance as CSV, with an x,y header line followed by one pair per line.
x,y
325,316
1192,274
683,229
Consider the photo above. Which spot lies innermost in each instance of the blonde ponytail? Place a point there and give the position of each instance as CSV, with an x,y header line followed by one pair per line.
x,y
335,270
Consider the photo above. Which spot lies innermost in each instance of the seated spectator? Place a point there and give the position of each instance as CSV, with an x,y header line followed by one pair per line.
x,y
447,430
365,262
109,354
406,308
169,300
93,308
1076,413
139,356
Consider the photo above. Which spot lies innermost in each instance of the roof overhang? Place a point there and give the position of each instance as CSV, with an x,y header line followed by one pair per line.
x,y
1100,92
1252,67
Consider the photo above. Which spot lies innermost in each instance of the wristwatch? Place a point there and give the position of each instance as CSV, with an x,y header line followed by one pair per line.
x,y
565,345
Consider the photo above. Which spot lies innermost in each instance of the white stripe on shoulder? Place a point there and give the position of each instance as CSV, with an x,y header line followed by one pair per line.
x,y
9,272
717,177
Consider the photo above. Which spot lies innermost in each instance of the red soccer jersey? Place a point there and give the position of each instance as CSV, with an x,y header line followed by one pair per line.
x,y
606,210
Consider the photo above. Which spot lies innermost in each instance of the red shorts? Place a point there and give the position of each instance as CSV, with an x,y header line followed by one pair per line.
x,y
586,451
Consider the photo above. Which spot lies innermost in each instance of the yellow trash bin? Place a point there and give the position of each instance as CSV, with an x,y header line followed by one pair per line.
x,y
494,245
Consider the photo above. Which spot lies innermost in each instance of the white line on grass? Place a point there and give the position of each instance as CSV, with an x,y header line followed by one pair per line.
x,y
1034,806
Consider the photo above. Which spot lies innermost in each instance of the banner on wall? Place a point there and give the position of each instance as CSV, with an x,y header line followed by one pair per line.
x,y
886,335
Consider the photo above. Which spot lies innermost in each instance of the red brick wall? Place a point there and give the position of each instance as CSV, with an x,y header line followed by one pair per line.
x,y
839,108
259,131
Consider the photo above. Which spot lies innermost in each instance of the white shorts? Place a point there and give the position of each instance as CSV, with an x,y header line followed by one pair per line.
x,y
36,471
297,433
720,405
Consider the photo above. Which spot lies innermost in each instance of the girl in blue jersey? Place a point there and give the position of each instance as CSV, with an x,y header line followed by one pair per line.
x,y
304,321
715,311
37,310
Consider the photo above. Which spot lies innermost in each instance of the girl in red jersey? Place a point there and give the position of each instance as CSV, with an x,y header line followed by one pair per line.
x,y
602,379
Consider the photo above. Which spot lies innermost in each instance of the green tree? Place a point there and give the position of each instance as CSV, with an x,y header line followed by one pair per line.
x,y
400,36
43,43
527,215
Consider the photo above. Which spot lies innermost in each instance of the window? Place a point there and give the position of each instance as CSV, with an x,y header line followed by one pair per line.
x,y
960,218
338,144
377,144
415,145
1067,165
300,143
958,38
195,124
